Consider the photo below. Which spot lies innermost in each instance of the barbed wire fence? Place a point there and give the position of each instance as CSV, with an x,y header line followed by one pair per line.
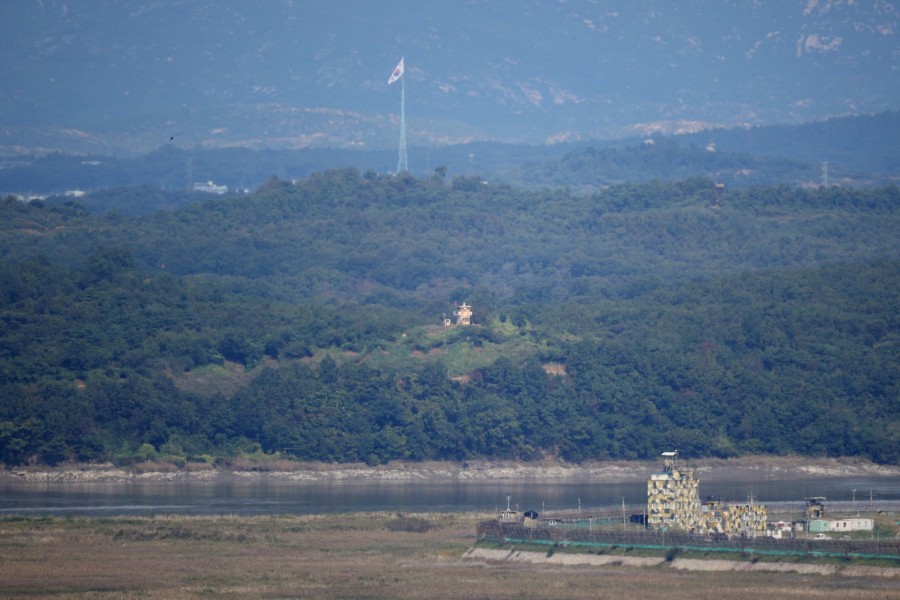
x,y
571,534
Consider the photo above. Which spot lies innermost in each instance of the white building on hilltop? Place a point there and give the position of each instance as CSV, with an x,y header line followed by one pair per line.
x,y
211,188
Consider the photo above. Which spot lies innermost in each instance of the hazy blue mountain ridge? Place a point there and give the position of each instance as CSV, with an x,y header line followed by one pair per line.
x,y
860,152
121,76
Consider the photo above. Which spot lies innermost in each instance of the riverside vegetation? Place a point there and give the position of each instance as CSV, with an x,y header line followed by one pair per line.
x,y
342,556
302,321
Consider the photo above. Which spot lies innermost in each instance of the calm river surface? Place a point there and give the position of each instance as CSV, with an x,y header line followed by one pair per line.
x,y
282,497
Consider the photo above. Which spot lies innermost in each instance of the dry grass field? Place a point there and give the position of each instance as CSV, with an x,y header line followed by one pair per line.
x,y
340,556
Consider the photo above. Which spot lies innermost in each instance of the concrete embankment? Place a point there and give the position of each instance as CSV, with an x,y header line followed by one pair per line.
x,y
685,564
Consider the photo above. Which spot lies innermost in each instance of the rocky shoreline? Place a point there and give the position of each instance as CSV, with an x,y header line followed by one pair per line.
x,y
282,470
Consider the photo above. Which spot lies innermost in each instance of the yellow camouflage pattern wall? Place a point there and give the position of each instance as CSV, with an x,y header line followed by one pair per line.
x,y
718,517
673,499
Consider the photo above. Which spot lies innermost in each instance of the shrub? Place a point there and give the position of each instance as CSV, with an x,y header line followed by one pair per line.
x,y
409,524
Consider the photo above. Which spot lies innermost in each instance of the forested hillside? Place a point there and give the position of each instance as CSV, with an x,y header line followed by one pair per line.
x,y
664,158
305,319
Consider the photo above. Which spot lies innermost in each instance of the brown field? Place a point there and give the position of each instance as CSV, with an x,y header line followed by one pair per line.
x,y
341,556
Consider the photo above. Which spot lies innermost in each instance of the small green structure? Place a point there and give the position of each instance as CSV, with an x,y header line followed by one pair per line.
x,y
818,526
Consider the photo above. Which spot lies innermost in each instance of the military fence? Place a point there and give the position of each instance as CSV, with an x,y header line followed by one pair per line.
x,y
658,540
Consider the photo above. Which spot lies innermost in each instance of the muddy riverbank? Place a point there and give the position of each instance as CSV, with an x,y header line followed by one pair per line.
x,y
283,470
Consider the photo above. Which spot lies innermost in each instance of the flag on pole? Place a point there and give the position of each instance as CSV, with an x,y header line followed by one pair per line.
x,y
398,73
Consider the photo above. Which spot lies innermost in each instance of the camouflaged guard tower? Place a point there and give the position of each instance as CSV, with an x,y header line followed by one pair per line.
x,y
673,496
463,314
673,501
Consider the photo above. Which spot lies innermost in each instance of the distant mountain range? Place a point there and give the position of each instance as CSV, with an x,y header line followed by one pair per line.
x,y
848,151
122,77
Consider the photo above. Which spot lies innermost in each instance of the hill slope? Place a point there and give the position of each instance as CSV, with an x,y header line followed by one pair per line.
x,y
305,319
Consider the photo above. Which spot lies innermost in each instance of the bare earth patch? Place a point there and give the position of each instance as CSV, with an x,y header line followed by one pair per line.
x,y
225,379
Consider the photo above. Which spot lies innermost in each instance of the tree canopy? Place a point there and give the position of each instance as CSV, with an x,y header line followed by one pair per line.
x,y
305,320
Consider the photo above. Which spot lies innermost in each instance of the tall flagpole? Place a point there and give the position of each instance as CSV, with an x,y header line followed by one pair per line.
x,y
398,74
401,159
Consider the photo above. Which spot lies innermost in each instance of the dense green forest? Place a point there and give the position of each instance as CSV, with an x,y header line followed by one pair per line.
x,y
867,144
305,320
665,158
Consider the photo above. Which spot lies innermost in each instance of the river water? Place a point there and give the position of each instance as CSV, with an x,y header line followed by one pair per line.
x,y
284,497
